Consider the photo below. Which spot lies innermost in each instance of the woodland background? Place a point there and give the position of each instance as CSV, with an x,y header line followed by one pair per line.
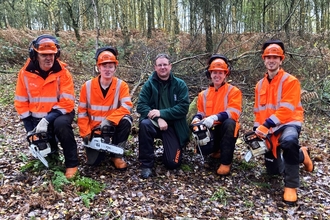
x,y
190,31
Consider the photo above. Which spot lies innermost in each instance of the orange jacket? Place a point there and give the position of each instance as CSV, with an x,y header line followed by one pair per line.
x,y
37,96
278,100
227,98
93,107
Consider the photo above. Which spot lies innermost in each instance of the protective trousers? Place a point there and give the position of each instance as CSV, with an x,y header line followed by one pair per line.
x,y
288,158
122,131
60,131
172,156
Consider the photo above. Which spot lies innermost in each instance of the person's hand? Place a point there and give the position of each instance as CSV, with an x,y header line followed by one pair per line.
x,y
262,131
195,120
105,122
153,114
42,126
162,124
208,122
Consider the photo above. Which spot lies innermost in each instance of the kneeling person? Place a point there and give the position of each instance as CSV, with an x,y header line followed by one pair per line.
x,y
219,108
105,101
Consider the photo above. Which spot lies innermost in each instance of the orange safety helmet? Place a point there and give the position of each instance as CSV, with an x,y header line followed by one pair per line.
x,y
273,50
106,57
45,46
219,64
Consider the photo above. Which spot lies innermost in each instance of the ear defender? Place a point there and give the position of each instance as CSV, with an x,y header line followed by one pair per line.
x,y
44,44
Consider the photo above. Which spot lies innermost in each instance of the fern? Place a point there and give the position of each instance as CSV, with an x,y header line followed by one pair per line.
x,y
87,188
59,180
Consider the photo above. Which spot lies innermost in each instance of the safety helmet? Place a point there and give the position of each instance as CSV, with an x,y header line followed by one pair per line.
x,y
273,50
106,57
45,46
219,64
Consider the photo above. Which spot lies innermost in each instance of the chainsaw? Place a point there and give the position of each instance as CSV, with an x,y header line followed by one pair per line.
x,y
256,145
201,134
101,139
39,146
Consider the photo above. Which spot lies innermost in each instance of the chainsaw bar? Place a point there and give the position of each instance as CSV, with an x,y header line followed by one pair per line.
x,y
97,143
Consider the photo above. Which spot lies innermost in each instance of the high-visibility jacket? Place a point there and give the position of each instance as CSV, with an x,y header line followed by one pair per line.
x,y
227,98
94,107
278,100
36,96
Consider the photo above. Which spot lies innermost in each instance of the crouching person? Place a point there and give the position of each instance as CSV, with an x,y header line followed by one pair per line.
x,y
163,105
105,102
219,108
44,98
278,118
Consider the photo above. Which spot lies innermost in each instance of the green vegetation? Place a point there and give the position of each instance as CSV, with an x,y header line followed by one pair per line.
x,y
220,195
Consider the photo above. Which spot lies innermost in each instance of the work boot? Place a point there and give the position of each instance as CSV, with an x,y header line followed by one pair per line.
x,y
308,163
224,170
71,172
146,173
290,195
119,163
215,155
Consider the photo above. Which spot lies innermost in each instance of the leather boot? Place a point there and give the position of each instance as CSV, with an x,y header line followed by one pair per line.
x,y
224,170
308,163
119,163
71,172
290,195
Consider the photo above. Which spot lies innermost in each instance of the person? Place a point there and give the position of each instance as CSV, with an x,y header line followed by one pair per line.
x,y
105,101
45,97
163,104
278,119
219,108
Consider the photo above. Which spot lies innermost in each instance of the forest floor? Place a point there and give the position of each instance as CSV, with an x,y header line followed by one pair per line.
x,y
194,191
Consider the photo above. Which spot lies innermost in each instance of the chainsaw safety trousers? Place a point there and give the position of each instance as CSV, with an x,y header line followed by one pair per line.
x,y
172,155
94,107
60,130
37,97
279,101
222,141
288,158
225,101
122,131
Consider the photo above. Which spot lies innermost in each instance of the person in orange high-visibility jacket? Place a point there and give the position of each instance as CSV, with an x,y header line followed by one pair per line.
x,y
105,100
278,119
219,108
44,98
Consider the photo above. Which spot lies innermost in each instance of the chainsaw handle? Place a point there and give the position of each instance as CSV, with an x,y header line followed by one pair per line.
x,y
35,137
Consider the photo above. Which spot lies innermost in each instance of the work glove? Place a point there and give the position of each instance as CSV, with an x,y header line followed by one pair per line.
x,y
42,126
208,122
195,120
262,131
105,122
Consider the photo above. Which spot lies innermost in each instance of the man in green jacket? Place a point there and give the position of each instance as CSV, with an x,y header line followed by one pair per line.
x,y
163,105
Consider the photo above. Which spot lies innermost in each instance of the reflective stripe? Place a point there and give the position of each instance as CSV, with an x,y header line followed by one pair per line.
x,y
25,115
287,105
21,98
82,104
82,115
67,96
39,114
204,98
97,118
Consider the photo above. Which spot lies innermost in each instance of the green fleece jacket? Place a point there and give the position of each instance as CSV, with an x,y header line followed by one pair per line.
x,y
178,99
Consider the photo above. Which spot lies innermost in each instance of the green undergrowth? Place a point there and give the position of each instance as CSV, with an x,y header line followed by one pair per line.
x,y
85,187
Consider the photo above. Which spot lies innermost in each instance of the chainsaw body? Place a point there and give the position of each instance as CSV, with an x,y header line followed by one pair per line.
x,y
256,145
39,145
101,139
